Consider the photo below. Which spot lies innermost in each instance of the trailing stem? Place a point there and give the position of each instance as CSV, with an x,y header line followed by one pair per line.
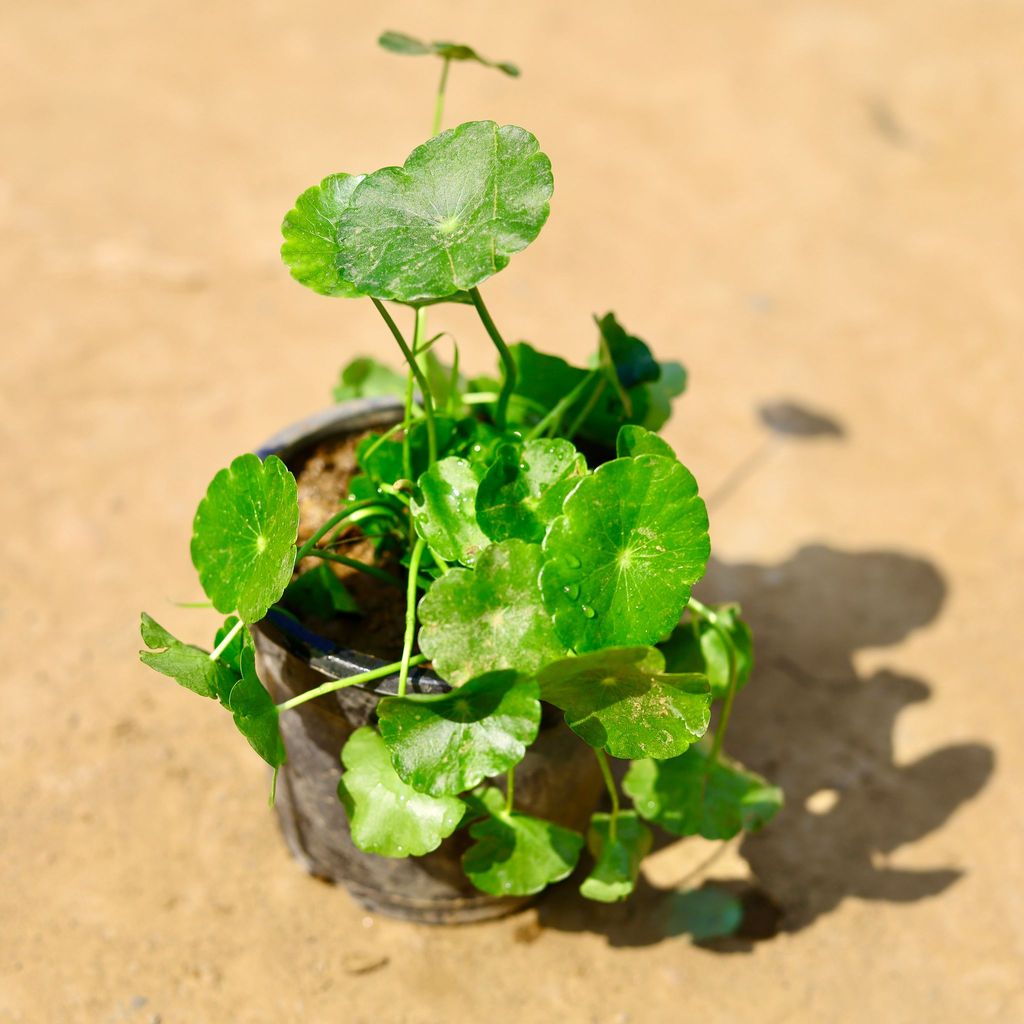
x,y
553,418
439,102
346,513
410,614
709,616
341,684
613,792
225,643
507,362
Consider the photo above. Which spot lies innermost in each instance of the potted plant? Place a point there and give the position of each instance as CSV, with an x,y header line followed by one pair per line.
x,y
455,607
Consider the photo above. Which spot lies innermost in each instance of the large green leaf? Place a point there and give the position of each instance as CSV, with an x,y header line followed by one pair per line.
x,y
365,377
310,231
186,664
446,743
450,217
617,860
620,562
621,700
516,855
407,46
696,646
523,489
491,617
687,797
243,536
255,713
445,510
386,815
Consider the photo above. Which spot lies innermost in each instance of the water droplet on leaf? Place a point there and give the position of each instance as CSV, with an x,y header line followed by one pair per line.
x,y
587,611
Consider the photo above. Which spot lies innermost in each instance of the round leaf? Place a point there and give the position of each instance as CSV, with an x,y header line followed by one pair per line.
x,y
446,743
255,713
686,797
620,700
386,815
516,855
524,488
488,618
620,562
310,231
637,440
243,536
449,218
445,510
617,861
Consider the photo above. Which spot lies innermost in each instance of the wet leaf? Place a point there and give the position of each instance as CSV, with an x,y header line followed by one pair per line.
x,y
636,440
617,861
491,617
318,594
462,204
675,795
366,378
255,714
386,815
400,43
445,510
621,700
446,743
310,231
696,646
186,664
620,562
523,489
516,855
243,536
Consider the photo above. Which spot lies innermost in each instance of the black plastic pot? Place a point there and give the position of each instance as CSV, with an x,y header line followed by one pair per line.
x,y
557,780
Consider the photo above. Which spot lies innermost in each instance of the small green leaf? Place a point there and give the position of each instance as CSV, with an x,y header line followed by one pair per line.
x,y
631,357
620,562
366,378
445,510
516,855
318,594
231,656
686,797
462,204
187,665
658,395
407,46
386,815
445,743
255,713
636,440
491,617
621,700
617,861
243,536
696,646
310,233
525,486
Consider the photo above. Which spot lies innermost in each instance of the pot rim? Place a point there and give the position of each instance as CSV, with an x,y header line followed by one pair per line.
x,y
319,652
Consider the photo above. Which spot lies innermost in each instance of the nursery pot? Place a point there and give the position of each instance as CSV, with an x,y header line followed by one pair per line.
x,y
558,779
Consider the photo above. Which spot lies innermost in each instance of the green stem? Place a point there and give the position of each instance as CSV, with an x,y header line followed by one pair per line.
x,y
341,684
510,790
562,406
439,103
410,358
353,563
709,616
585,411
345,513
613,792
410,614
224,644
507,362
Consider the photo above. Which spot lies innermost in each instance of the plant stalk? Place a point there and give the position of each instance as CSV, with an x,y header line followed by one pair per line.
x,y
510,790
225,643
507,362
709,616
439,102
341,684
354,563
554,416
345,513
410,614
613,792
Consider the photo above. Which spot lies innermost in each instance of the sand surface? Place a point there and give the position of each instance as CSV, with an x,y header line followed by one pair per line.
x,y
809,200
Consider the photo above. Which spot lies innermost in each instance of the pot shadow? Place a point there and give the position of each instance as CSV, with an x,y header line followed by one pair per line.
x,y
811,724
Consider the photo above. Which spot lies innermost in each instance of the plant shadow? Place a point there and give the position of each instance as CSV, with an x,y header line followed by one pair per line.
x,y
813,725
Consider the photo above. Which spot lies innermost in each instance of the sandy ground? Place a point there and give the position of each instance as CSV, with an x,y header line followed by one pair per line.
x,y
810,199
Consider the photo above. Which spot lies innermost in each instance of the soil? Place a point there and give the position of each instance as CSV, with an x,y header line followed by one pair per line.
x,y
813,204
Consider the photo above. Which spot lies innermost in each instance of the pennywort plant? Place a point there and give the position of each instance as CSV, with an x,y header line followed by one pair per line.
x,y
544,539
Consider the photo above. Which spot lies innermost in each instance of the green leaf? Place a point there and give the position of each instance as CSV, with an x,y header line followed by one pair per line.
x,y
621,700
243,536
630,356
617,860
445,510
386,815
446,743
620,562
658,395
255,713
407,46
186,664
516,855
231,656
635,440
318,594
696,646
675,795
525,486
310,233
488,618
366,378
450,217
